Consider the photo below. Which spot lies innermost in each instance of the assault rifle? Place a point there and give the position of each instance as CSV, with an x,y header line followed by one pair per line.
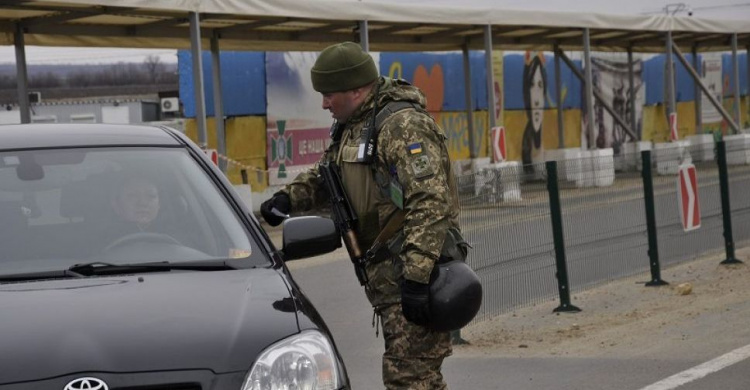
x,y
343,216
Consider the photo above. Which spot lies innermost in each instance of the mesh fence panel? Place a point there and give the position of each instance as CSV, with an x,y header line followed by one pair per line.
x,y
604,222
505,217
738,156
675,244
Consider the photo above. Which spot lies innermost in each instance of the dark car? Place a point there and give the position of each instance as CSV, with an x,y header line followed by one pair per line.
x,y
127,261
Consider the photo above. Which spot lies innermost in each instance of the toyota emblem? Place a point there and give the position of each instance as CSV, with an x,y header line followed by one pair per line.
x,y
86,384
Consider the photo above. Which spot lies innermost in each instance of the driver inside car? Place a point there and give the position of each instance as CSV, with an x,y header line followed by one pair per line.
x,y
136,203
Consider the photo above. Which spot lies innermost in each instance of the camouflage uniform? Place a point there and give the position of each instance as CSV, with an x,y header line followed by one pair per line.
x,y
411,153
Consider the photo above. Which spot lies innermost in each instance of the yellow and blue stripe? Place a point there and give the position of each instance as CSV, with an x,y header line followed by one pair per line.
x,y
415,148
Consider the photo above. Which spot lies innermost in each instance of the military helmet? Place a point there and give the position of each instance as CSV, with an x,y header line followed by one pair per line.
x,y
455,296
343,67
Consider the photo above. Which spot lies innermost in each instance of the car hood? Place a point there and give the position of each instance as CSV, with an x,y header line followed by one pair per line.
x,y
162,321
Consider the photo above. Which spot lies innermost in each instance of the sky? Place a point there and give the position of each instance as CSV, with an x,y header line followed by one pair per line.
x,y
712,9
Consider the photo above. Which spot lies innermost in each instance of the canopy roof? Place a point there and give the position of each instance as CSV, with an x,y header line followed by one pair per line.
x,y
310,25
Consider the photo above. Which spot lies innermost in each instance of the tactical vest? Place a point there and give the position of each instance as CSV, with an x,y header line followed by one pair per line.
x,y
365,179
361,180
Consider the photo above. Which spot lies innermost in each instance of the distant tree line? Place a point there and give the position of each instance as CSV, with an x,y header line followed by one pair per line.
x,y
150,72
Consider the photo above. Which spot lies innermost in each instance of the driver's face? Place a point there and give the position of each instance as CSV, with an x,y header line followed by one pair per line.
x,y
137,202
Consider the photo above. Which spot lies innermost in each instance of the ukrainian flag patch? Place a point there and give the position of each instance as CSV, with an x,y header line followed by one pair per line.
x,y
415,148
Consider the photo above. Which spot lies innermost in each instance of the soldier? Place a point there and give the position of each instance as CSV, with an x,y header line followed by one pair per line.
x,y
409,178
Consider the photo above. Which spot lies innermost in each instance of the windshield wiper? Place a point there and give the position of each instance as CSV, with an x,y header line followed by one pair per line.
x,y
102,268
56,274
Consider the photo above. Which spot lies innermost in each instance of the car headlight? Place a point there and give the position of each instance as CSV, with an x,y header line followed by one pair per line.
x,y
304,361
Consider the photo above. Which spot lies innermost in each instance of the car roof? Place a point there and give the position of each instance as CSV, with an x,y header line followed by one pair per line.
x,y
37,135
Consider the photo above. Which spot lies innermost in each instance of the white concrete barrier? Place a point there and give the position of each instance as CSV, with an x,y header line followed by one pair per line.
x,y
701,147
631,156
738,149
584,169
567,162
603,164
669,155
510,179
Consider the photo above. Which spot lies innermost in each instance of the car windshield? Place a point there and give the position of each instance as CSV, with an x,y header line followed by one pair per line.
x,y
117,205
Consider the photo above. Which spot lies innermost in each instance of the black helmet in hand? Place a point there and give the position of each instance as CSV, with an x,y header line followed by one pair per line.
x,y
455,296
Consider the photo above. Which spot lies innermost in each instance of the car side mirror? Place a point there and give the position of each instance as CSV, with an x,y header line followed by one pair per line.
x,y
308,236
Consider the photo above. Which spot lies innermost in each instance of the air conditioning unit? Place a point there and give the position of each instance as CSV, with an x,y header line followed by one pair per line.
x,y
171,104
35,97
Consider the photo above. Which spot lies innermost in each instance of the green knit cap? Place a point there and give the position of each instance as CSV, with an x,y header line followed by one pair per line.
x,y
342,67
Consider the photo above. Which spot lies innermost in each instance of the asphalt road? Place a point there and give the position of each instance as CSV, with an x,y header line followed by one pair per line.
x,y
332,287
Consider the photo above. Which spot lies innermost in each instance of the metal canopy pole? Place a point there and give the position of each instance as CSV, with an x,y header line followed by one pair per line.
x,y
736,81
218,101
709,95
588,81
469,102
671,100
22,79
200,100
631,94
490,82
559,98
364,35
698,100
625,126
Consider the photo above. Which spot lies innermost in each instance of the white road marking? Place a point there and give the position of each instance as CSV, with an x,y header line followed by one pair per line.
x,y
701,370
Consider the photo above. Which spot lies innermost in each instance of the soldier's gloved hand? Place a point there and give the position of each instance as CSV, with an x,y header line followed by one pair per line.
x,y
274,210
415,302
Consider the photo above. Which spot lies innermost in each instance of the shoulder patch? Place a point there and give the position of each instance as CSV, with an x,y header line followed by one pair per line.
x,y
422,167
415,148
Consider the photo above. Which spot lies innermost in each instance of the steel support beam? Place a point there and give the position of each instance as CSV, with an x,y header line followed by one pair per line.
x,y
589,87
364,35
469,102
631,94
669,73
705,89
218,101
736,80
698,97
559,99
490,81
599,97
22,79
200,100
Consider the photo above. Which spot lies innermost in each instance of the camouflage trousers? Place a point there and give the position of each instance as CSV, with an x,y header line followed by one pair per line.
x,y
413,354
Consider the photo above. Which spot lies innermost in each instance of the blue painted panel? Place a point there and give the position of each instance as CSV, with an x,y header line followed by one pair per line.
x,y
653,75
727,74
404,65
684,84
243,80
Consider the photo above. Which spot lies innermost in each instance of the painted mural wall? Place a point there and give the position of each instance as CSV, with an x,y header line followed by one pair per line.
x,y
611,80
298,127
275,88
531,105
